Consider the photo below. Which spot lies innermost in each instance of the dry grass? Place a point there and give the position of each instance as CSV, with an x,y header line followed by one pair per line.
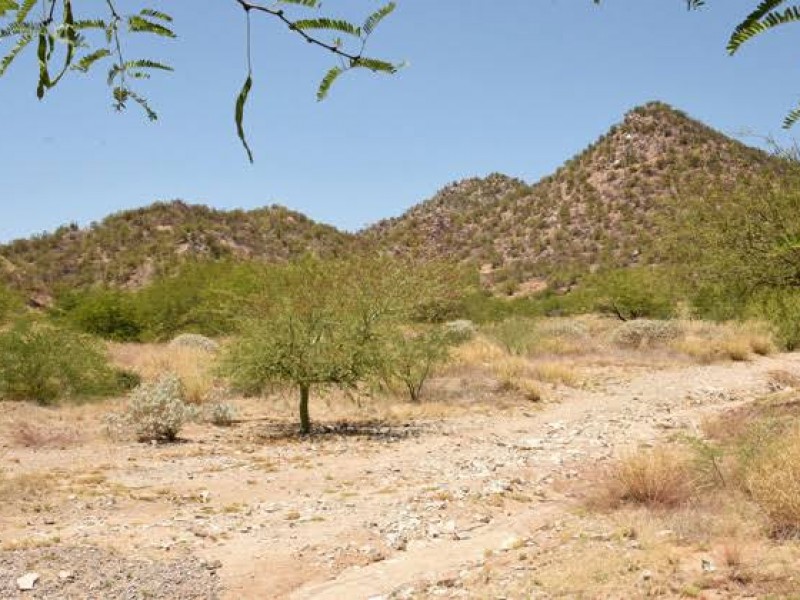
x,y
30,435
657,478
709,342
193,366
25,487
773,479
555,372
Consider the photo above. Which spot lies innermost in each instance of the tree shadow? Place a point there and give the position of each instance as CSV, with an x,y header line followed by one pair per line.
x,y
368,429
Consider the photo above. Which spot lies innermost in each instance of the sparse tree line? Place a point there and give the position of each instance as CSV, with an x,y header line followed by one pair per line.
x,y
315,323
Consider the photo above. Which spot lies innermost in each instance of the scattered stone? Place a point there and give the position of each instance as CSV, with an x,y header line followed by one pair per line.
x,y
27,582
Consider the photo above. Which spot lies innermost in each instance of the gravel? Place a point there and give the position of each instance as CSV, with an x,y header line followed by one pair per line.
x,y
90,573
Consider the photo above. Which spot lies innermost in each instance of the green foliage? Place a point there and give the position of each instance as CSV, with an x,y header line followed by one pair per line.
x,y
516,334
739,253
317,323
633,293
781,308
10,303
44,363
107,313
409,358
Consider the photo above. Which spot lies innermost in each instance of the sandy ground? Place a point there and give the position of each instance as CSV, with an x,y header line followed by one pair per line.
x,y
416,506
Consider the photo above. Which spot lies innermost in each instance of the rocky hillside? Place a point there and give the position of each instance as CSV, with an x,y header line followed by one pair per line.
x,y
605,207
131,247
608,206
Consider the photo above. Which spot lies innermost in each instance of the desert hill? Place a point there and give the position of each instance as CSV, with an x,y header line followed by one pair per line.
x,y
131,247
604,207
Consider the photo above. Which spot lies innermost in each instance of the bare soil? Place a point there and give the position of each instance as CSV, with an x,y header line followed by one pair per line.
x,y
473,499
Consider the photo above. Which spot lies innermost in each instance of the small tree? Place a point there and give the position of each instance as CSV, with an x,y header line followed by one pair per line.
x,y
318,323
409,358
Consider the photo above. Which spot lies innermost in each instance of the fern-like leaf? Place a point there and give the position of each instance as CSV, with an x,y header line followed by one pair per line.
x,y
328,25
327,81
752,25
241,101
22,43
7,6
85,63
138,24
375,18
374,65
792,118
306,3
155,14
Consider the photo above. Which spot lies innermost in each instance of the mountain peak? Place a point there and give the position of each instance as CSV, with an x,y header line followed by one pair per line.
x,y
603,207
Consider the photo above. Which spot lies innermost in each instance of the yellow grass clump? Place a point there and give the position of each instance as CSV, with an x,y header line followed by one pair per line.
x,y
193,366
708,342
773,480
656,478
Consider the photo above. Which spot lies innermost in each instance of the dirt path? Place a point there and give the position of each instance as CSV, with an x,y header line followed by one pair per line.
x,y
497,471
360,516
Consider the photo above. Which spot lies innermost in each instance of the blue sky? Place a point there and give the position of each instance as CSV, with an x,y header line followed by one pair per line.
x,y
516,86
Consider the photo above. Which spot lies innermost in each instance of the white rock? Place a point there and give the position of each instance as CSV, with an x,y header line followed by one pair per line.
x,y
27,581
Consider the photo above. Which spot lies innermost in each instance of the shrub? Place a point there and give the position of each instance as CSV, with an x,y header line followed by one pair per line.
x,y
461,330
773,479
156,411
409,359
781,308
195,340
632,293
645,332
516,334
109,314
658,478
43,363
221,414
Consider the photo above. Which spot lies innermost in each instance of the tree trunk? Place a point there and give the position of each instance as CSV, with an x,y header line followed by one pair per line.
x,y
305,419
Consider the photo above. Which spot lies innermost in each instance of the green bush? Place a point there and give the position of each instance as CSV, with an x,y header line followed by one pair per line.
x,y
409,358
781,308
516,334
633,293
106,313
43,363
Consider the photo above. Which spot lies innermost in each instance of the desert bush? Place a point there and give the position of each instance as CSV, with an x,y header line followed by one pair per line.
x,y
772,477
106,313
645,332
657,478
781,308
708,342
222,414
194,340
157,411
516,334
43,363
460,330
409,358
632,293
